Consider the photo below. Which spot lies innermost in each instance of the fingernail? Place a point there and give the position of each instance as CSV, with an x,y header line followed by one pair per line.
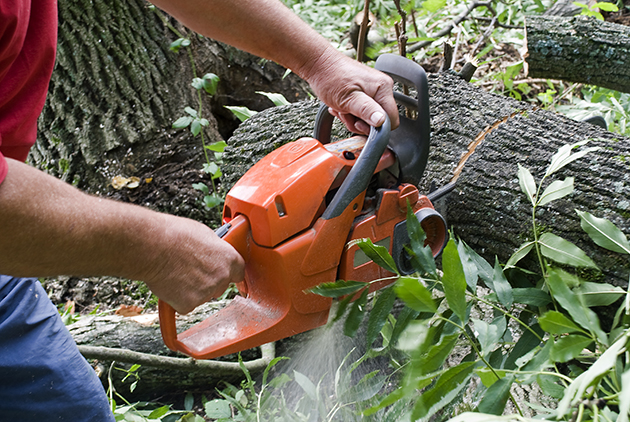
x,y
377,118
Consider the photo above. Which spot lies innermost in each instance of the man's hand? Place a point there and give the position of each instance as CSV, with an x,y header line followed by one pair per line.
x,y
356,94
195,265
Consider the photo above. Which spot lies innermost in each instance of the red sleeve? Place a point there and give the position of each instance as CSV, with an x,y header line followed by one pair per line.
x,y
28,40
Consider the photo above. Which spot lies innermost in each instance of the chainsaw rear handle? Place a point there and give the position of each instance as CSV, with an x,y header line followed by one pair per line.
x,y
236,234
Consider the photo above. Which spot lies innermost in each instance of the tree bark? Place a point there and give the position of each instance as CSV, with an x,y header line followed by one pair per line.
x,y
116,90
478,139
579,49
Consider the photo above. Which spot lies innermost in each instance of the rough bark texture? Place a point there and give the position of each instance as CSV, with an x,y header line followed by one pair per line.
x,y
116,90
487,208
579,49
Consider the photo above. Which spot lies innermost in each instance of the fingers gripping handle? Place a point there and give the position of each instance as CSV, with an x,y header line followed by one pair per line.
x,y
236,234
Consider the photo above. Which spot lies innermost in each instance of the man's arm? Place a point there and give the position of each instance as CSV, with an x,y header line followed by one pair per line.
x,y
48,227
268,29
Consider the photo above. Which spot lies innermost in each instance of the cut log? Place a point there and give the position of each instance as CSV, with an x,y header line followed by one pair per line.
x,y
479,139
579,49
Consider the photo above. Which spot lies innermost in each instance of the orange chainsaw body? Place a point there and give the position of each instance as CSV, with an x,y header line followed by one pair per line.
x,y
293,237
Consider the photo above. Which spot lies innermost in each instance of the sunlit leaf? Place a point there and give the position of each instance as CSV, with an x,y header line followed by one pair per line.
x,y
241,113
563,157
210,83
602,365
217,146
306,384
556,190
276,99
564,252
624,397
604,233
527,182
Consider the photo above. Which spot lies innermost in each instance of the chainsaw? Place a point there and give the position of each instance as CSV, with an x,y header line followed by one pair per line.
x,y
294,214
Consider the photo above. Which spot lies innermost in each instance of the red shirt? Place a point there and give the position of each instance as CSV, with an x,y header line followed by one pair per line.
x,y
28,39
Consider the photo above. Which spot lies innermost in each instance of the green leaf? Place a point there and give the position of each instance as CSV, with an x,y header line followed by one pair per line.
x,y
489,335
454,280
501,286
569,347
191,111
379,313
549,385
574,304
189,401
624,397
556,190
421,254
413,336
195,127
604,233
377,253
182,122
526,343
496,396
563,157
159,412
217,146
338,288
210,83
527,182
446,388
241,113
484,269
217,408
415,295
276,99
564,252
555,322
531,296
470,269
197,83
202,187
405,317
433,6
212,201
521,253
432,359
307,385
606,7
488,376
602,365
599,294
356,315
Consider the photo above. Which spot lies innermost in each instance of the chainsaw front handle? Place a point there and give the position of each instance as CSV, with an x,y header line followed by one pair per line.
x,y
236,234
361,173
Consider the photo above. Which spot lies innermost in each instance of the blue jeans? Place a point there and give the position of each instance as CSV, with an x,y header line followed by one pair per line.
x,y
43,377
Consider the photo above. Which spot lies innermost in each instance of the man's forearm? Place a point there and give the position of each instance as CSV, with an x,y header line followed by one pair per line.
x,y
265,28
49,228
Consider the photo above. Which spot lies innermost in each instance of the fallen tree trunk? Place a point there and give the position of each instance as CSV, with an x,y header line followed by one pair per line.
x,y
579,49
478,139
